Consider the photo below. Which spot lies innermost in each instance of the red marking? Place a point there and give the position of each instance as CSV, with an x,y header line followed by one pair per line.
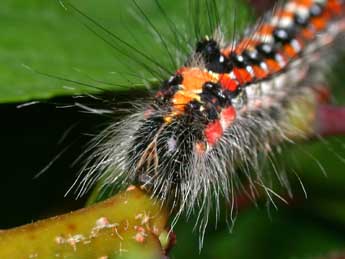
x,y
213,132
228,83
335,7
242,75
228,116
327,14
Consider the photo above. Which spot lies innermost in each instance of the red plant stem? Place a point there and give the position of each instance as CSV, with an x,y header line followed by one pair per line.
x,y
330,120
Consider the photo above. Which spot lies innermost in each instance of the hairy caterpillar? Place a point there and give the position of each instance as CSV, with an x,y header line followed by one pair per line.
x,y
222,110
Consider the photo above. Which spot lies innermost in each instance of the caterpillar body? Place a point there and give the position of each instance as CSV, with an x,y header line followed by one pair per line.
x,y
222,110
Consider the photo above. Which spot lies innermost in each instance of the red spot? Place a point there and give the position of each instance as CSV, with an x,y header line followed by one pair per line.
x,y
335,7
213,132
228,115
228,83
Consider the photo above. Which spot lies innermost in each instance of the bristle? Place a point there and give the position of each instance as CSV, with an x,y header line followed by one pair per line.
x,y
223,110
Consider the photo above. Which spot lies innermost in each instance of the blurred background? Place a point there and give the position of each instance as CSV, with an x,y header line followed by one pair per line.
x,y
44,127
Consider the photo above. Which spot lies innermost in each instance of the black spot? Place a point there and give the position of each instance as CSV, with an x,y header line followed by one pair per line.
x,y
231,94
266,50
210,87
211,105
316,10
193,109
253,57
284,35
220,67
194,105
175,80
166,92
209,50
215,61
238,60
214,98
301,21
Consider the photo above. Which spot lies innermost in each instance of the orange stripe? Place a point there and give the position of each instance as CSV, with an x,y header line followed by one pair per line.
x,y
308,34
180,99
306,3
284,13
273,66
228,83
194,78
242,75
246,43
289,51
319,23
265,29
259,72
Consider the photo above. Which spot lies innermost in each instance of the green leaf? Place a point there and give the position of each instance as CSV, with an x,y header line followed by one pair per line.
x,y
45,37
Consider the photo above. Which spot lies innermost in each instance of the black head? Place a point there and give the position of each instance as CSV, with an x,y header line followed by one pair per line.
x,y
209,49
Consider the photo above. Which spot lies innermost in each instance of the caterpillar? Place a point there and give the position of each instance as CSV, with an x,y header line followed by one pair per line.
x,y
223,110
